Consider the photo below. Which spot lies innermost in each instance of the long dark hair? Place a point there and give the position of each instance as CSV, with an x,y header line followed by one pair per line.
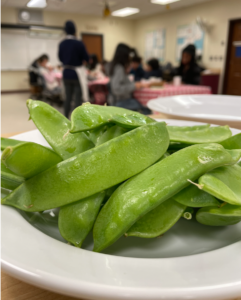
x,y
121,56
94,61
190,49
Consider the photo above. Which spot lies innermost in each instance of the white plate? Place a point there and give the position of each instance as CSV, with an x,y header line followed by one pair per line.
x,y
191,261
208,107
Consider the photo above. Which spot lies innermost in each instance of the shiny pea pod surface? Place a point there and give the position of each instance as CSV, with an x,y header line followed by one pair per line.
x,y
187,128
194,197
145,191
234,142
77,219
215,134
223,183
157,221
92,171
6,142
110,134
91,116
28,159
223,216
9,180
54,127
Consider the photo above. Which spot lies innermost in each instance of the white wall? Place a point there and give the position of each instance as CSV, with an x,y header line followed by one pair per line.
x,y
218,12
114,31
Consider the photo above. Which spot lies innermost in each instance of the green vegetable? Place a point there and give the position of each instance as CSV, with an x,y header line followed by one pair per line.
x,y
92,171
77,219
188,213
158,220
234,142
54,127
147,190
110,134
223,183
5,142
223,216
194,197
187,128
208,135
90,116
9,180
28,159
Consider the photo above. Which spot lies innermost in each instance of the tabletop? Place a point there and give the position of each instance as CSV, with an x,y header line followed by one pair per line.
x,y
14,289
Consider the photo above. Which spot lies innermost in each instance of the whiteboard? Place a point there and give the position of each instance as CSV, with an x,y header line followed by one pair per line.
x,y
19,49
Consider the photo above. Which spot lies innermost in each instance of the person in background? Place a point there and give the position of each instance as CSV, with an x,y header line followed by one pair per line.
x,y
34,70
51,80
105,67
72,54
121,88
189,70
136,68
153,69
95,68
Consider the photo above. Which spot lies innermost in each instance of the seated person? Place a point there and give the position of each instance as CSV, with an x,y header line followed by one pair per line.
x,y
189,70
153,69
136,68
51,79
121,88
41,62
94,68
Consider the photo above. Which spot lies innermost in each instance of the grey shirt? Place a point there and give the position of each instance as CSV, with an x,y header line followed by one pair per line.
x,y
121,86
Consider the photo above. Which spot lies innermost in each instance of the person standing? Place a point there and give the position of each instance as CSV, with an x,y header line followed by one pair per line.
x,y
73,54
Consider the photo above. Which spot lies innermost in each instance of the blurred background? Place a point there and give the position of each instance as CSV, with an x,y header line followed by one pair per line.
x,y
174,47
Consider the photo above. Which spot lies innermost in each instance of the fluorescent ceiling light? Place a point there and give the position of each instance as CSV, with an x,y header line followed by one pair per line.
x,y
124,12
163,2
37,3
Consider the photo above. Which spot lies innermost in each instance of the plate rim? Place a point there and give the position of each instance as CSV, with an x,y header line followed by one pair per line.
x,y
151,105
77,288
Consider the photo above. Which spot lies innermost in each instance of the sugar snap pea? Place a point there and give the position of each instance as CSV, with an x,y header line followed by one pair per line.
x,y
9,180
234,142
223,183
77,219
90,116
209,135
222,216
5,142
28,159
92,171
54,126
188,213
194,197
145,191
111,133
158,220
187,128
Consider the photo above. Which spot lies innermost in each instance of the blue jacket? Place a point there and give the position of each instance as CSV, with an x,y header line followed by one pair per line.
x,y
138,73
72,52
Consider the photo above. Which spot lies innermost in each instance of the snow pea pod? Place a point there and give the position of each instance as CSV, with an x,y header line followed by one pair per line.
x,y
28,159
222,216
91,116
145,191
234,142
9,180
77,219
92,171
5,142
192,196
209,135
158,220
223,183
53,126
187,128
111,133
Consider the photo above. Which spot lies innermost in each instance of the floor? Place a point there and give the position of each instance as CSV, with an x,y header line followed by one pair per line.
x,y
14,113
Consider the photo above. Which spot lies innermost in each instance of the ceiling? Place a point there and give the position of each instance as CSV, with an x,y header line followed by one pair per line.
x,y
95,7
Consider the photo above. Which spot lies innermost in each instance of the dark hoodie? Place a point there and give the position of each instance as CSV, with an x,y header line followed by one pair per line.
x,y
72,52
193,74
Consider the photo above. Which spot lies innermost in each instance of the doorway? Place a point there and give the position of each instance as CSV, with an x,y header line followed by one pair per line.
x,y
94,44
232,78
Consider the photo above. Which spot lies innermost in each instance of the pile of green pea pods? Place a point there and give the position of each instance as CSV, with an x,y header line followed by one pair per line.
x,y
122,173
